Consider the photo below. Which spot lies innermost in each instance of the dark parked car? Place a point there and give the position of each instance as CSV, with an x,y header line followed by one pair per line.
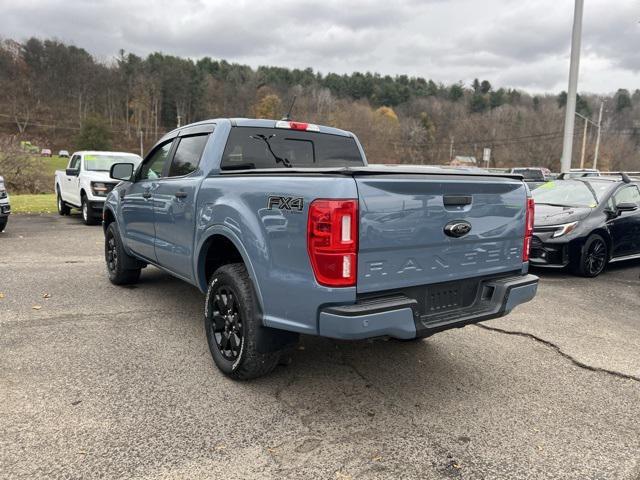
x,y
586,223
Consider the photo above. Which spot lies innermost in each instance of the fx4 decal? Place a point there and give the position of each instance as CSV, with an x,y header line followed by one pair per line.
x,y
295,204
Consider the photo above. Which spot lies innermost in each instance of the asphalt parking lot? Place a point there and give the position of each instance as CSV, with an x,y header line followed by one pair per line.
x,y
98,381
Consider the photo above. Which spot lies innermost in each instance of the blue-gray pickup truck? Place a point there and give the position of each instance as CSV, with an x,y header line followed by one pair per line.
x,y
286,230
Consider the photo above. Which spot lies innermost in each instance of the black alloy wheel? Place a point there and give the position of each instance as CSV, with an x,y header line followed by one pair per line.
x,y
111,252
596,257
593,257
121,268
227,325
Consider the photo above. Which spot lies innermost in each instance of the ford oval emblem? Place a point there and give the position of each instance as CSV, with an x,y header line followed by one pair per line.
x,y
457,228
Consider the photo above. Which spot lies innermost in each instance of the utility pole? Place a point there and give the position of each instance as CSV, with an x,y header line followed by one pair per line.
x,y
595,155
451,150
587,121
584,143
574,67
141,145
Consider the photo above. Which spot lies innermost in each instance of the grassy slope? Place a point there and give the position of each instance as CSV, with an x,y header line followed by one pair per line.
x,y
43,203
50,165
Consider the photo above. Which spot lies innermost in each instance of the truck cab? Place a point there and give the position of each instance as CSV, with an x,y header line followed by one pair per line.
x,y
85,183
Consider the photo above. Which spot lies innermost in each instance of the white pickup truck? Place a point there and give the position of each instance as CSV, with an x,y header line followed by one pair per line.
x,y
86,182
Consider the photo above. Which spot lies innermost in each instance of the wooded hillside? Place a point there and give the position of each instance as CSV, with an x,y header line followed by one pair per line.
x,y
60,96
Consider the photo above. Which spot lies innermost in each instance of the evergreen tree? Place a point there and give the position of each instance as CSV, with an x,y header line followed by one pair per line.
x,y
456,92
623,100
94,135
478,103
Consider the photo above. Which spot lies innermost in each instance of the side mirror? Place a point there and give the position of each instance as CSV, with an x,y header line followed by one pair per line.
x,y
626,207
72,172
121,171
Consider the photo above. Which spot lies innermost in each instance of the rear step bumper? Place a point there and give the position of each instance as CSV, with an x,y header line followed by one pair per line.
x,y
399,316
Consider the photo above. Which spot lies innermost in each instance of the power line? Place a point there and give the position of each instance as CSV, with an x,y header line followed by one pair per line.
x,y
493,141
37,123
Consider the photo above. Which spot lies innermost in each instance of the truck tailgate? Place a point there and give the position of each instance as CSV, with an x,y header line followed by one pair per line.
x,y
402,240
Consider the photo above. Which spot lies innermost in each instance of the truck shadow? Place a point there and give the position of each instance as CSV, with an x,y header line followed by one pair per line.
x,y
369,379
375,386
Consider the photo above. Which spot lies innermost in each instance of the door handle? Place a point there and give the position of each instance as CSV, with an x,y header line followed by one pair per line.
x,y
456,200
181,194
146,194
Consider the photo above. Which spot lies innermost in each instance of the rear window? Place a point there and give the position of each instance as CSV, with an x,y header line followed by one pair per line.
x,y
258,148
529,174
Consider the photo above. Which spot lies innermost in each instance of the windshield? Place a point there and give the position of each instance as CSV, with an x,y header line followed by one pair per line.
x,y
103,162
569,193
257,148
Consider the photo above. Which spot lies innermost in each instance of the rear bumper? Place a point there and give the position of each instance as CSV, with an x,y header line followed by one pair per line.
x,y
398,315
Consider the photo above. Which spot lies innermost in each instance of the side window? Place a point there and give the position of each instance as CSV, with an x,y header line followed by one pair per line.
x,y
187,156
153,166
629,194
75,162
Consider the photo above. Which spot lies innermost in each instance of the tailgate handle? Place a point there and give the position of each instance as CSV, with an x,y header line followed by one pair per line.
x,y
456,200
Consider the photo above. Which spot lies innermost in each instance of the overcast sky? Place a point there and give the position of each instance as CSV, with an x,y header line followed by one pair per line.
x,y
512,43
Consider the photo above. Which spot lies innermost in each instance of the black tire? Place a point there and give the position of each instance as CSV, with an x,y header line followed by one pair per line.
x,y
593,257
63,208
3,223
118,262
87,216
233,325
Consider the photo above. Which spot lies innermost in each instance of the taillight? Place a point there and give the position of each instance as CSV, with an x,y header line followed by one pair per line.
x,y
528,229
332,241
309,127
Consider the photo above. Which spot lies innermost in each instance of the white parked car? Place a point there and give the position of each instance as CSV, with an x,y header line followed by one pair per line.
x,y
86,182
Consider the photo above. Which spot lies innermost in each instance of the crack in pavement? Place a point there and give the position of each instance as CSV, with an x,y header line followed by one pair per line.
x,y
555,347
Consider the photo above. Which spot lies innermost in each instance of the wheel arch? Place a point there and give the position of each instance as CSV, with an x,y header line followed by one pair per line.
x,y
108,217
218,246
603,232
